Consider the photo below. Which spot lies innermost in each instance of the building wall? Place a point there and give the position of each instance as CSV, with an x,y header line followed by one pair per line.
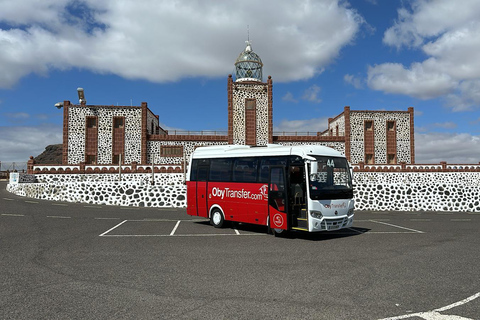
x,y
76,132
338,122
378,191
154,148
242,91
380,118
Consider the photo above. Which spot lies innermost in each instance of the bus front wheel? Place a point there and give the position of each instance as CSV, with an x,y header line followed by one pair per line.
x,y
216,218
279,232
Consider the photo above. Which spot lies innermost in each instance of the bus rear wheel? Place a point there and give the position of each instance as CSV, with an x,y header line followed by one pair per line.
x,y
216,218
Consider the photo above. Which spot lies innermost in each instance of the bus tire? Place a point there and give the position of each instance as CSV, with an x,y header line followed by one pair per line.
x,y
279,232
216,218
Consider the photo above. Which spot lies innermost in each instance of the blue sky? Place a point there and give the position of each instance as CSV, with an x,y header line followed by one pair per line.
x,y
176,55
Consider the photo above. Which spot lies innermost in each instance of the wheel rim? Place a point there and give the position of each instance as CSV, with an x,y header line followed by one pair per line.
x,y
216,218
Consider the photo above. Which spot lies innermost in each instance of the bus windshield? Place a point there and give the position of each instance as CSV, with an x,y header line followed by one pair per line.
x,y
329,178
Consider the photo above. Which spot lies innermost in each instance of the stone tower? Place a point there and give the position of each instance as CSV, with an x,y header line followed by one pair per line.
x,y
249,102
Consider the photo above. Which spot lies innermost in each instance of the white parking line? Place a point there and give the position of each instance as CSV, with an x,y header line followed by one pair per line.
x,y
29,201
8,199
434,314
175,228
118,225
59,217
107,218
186,235
13,215
393,225
237,232
60,204
460,220
96,207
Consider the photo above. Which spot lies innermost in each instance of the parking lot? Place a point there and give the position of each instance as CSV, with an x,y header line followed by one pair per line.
x,y
77,261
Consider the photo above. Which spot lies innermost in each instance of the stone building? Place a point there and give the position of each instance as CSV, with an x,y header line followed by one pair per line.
x,y
108,135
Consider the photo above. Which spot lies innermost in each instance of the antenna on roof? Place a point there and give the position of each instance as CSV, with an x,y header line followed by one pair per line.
x,y
248,33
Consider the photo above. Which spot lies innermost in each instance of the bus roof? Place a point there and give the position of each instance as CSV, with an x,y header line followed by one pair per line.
x,y
228,151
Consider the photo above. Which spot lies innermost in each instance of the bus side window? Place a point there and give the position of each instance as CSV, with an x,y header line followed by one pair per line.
x,y
245,170
220,170
193,174
202,173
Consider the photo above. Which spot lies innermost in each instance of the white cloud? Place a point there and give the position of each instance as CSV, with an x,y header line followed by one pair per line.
x,y
445,125
311,94
164,41
289,97
19,143
356,82
449,35
453,148
417,81
308,125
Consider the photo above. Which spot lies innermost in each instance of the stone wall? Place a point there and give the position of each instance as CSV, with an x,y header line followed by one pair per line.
x,y
132,190
377,191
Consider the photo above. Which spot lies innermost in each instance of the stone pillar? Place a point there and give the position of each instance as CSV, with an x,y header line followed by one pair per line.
x,y
346,114
30,164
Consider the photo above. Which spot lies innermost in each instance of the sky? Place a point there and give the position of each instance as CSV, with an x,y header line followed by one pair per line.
x,y
322,55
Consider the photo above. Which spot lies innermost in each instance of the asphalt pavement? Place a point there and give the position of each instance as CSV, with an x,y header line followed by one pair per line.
x,y
64,260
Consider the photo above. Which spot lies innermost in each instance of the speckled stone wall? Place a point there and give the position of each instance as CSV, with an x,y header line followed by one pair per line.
x,y
376,191
133,190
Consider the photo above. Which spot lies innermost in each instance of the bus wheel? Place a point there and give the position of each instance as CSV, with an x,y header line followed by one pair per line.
x,y
279,232
216,218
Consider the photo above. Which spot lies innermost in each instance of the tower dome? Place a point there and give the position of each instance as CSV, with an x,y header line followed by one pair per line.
x,y
248,66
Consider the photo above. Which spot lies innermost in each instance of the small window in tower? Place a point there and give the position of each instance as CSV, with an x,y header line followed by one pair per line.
x,y
369,158
116,158
391,125
91,159
368,125
118,122
91,122
391,159
250,104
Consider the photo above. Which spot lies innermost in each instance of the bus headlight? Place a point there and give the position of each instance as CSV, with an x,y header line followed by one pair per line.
x,y
316,214
350,212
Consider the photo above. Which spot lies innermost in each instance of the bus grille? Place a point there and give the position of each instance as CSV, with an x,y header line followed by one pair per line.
x,y
333,224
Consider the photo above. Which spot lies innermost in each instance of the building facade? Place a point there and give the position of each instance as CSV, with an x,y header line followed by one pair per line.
x,y
109,135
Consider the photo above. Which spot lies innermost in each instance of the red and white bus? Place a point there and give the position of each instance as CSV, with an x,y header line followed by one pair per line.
x,y
307,188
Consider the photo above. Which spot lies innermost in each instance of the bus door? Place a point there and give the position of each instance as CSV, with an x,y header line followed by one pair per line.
x,y
277,198
202,190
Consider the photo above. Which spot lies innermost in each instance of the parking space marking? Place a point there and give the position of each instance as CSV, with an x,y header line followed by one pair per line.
x,y
460,220
118,225
107,218
29,201
60,204
435,314
13,215
396,226
185,235
420,219
96,207
173,232
8,199
175,228
59,217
